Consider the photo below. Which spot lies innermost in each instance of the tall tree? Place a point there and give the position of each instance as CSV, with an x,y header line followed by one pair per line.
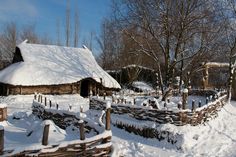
x,y
8,40
67,24
76,27
172,33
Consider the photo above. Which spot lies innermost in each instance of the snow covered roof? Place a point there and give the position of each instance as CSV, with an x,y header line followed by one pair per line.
x,y
50,65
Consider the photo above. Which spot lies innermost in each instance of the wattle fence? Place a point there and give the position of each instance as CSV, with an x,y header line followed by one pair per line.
x,y
179,118
98,145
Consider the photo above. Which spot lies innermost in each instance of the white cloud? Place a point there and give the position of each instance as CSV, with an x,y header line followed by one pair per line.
x,y
16,8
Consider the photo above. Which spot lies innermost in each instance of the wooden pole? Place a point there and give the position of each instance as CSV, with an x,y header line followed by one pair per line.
x,y
179,106
207,100
81,109
104,96
45,135
45,101
38,98
1,139
108,119
193,106
200,104
184,98
41,99
35,96
50,103
81,130
57,106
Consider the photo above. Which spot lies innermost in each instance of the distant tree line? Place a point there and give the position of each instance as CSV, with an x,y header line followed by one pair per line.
x,y
174,37
66,34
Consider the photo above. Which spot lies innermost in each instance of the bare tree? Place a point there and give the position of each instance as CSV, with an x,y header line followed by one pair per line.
x,y
28,32
76,27
58,32
172,33
67,24
8,40
110,44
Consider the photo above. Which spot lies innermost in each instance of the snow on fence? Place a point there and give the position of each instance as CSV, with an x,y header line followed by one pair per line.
x,y
179,117
98,145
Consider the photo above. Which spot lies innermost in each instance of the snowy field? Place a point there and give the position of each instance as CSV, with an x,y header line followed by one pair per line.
x,y
215,138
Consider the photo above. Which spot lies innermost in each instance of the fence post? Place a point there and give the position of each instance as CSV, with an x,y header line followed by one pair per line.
x,y
108,116
41,99
134,101
168,100
1,139
165,104
45,101
35,96
81,130
207,100
45,134
82,136
57,106
104,96
38,98
193,106
50,103
185,97
200,103
81,109
179,105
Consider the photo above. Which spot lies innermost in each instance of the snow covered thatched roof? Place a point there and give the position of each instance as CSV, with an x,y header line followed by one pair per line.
x,y
50,65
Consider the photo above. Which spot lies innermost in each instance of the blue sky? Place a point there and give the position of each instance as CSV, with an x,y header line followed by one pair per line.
x,y
45,13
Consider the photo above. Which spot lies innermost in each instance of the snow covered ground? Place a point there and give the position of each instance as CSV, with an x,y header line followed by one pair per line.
x,y
214,138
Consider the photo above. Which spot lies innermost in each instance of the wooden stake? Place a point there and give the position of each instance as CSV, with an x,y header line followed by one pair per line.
x,y
41,99
108,119
45,135
50,104
1,140
57,106
104,96
200,104
81,130
45,101
193,106
207,100
184,98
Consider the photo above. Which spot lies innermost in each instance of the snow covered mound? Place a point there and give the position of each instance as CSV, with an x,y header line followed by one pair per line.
x,y
50,64
141,86
56,134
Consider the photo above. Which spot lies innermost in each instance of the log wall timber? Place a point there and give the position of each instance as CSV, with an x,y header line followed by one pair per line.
x,y
179,118
72,88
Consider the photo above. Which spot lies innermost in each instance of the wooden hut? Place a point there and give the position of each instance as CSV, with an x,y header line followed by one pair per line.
x,y
50,69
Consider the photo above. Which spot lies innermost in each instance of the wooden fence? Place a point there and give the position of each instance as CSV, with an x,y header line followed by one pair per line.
x,y
181,117
98,145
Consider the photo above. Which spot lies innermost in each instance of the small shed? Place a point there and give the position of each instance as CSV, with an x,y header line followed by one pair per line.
x,y
51,69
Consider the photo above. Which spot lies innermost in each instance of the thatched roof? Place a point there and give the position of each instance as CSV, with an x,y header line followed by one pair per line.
x,y
50,65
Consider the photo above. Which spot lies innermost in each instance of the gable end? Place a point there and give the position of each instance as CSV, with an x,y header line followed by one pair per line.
x,y
17,56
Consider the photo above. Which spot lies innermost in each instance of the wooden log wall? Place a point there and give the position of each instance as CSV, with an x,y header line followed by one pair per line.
x,y
179,118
